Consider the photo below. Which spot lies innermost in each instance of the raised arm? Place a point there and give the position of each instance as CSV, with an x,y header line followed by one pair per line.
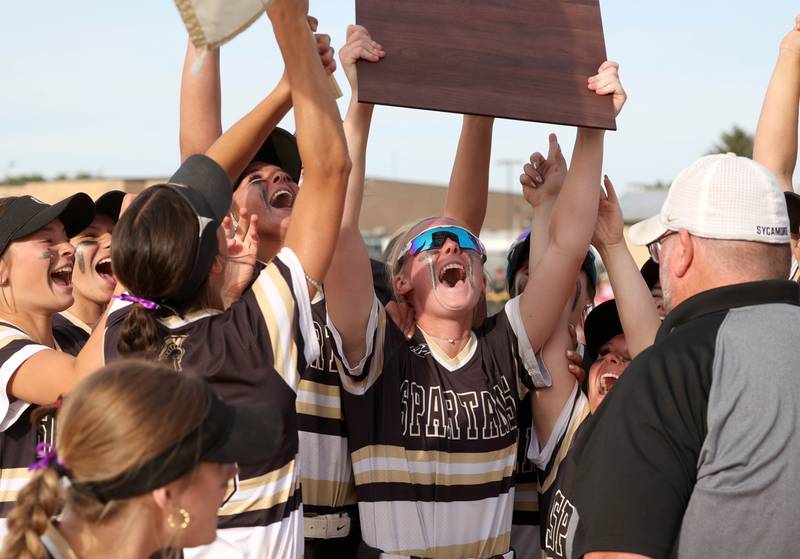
x,y
34,380
201,103
572,222
542,181
348,286
637,313
236,148
776,136
468,192
317,212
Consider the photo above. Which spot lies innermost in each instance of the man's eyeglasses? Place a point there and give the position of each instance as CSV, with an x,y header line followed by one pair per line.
x,y
655,247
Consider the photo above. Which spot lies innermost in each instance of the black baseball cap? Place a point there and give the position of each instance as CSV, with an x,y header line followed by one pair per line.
x,y
110,204
601,325
520,250
649,272
793,206
207,189
245,433
279,149
26,215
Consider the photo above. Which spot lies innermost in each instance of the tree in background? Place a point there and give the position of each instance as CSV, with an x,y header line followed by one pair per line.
x,y
737,140
19,180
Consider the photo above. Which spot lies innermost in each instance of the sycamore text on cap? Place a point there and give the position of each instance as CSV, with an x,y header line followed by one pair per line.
x,y
771,231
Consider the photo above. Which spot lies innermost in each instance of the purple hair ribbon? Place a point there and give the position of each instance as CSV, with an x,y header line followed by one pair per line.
x,y
146,303
47,456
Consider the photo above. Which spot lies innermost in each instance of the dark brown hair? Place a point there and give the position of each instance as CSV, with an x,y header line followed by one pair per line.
x,y
153,249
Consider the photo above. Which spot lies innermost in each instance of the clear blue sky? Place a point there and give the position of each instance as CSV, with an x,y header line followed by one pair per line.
x,y
93,85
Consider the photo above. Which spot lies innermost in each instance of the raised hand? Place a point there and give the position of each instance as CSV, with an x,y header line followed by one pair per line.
x,y
241,238
542,178
326,53
359,46
607,82
575,365
574,359
609,227
791,42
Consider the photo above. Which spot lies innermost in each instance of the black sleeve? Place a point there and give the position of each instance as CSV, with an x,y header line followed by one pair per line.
x,y
637,460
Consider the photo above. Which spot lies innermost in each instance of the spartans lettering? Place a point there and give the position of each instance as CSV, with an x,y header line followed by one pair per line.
x,y
433,412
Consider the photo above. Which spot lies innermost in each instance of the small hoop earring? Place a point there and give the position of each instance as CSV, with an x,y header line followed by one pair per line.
x,y
185,520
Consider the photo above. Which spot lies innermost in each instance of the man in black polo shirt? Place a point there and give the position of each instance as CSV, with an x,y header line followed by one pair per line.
x,y
696,451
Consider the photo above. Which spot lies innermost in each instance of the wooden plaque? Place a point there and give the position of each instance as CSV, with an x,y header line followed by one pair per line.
x,y
517,59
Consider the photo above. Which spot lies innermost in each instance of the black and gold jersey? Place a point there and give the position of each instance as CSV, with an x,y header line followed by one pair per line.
x,y
68,322
433,439
18,433
525,522
556,467
327,474
252,352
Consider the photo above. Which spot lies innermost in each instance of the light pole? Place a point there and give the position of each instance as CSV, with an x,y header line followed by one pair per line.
x,y
510,165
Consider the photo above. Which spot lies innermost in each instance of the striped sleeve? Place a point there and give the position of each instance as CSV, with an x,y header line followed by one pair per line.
x,y
282,294
540,455
578,411
537,374
15,348
357,378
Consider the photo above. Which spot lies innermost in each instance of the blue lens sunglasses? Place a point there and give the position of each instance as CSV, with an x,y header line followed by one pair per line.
x,y
435,237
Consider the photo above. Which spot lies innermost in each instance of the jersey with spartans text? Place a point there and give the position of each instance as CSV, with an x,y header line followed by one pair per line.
x,y
433,439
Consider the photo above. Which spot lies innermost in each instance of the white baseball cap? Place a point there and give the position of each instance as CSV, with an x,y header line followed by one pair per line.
x,y
722,197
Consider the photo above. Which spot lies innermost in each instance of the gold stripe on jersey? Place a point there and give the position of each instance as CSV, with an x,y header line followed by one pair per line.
x,y
77,322
431,478
310,398
566,444
523,504
280,323
319,388
5,340
17,473
319,411
387,465
173,322
483,548
12,480
451,363
324,491
8,496
267,483
388,451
